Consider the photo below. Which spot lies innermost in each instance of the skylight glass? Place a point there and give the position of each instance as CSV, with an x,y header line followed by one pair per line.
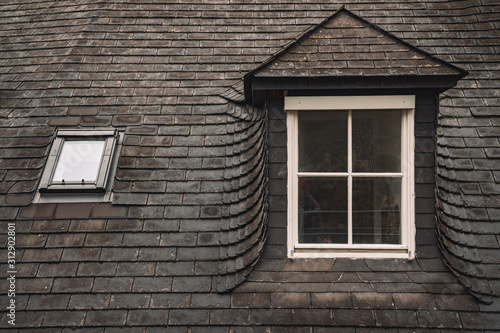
x,y
79,161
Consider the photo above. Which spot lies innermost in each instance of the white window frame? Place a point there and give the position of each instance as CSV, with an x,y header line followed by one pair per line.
x,y
97,191
296,104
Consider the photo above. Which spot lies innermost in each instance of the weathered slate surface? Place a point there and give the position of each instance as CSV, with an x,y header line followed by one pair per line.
x,y
346,45
200,181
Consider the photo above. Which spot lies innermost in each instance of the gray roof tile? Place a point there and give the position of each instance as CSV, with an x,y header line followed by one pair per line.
x,y
345,45
188,216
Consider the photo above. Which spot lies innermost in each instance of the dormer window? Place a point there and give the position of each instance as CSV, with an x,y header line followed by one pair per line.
x,y
350,141
79,165
350,173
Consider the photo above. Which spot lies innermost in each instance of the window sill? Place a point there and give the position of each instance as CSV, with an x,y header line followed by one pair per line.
x,y
88,188
348,251
72,197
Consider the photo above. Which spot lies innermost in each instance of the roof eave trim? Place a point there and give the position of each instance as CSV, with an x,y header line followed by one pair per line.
x,y
432,82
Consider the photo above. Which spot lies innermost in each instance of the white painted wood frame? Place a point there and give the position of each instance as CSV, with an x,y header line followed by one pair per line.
x,y
294,105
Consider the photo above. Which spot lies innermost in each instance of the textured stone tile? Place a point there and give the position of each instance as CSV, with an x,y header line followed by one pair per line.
x,y
309,265
271,316
321,317
414,301
177,268
112,284
162,71
106,317
251,300
108,211
456,302
37,211
147,317
290,300
57,269
353,317
63,318
189,317
192,284
129,301
446,319
332,300
48,302
73,211
396,318
150,284
170,300
372,301
470,321
89,301
230,316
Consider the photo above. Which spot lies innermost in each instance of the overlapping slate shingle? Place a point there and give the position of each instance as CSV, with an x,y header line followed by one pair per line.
x,y
201,181
468,138
339,51
346,45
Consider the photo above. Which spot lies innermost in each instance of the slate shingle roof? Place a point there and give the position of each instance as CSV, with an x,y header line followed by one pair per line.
x,y
337,53
346,45
190,212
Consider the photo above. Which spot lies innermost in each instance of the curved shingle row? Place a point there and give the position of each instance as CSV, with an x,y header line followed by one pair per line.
x,y
467,235
245,196
468,195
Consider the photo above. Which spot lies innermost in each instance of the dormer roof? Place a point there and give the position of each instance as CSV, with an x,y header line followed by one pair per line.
x,y
345,52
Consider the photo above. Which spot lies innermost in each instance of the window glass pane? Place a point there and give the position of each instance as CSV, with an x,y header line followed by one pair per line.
x,y
376,210
376,141
323,141
323,210
79,159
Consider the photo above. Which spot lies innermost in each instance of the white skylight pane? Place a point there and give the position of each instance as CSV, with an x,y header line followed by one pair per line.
x,y
79,159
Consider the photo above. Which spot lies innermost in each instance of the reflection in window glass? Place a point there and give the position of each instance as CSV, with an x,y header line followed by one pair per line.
x,y
373,142
376,141
79,160
376,210
323,210
323,141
